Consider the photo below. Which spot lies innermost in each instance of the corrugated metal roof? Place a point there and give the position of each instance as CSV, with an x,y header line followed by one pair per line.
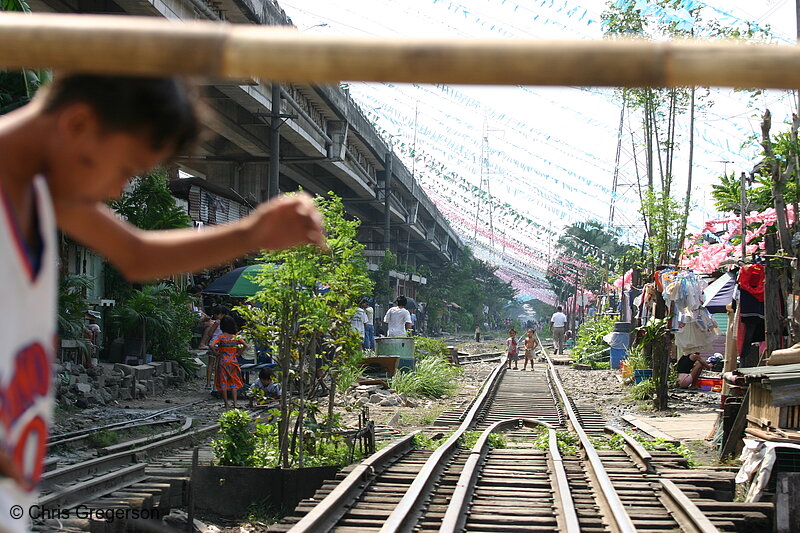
x,y
769,371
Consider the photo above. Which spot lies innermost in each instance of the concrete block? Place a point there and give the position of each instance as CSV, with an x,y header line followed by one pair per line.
x,y
169,367
141,389
201,368
144,372
127,382
159,367
113,392
126,370
99,381
84,388
124,394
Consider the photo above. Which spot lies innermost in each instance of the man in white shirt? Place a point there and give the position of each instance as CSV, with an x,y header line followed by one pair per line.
x,y
369,326
558,323
358,320
398,318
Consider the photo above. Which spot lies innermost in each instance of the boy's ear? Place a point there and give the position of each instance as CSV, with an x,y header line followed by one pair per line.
x,y
77,121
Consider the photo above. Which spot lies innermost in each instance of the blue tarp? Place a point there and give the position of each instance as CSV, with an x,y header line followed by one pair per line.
x,y
720,293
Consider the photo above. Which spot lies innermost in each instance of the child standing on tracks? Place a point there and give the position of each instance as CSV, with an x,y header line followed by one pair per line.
x,y
511,349
530,349
62,157
227,348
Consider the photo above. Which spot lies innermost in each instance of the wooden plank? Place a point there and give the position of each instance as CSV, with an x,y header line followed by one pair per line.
x,y
649,429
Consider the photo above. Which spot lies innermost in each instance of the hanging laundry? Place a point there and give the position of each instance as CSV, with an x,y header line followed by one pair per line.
x,y
751,279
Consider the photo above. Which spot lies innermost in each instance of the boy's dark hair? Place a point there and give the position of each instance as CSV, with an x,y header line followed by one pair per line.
x,y
558,308
402,301
265,373
195,290
164,109
228,325
220,310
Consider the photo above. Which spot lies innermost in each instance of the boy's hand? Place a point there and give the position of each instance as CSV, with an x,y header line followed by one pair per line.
x,y
286,221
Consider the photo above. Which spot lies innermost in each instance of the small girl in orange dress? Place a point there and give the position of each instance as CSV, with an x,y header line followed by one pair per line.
x,y
228,347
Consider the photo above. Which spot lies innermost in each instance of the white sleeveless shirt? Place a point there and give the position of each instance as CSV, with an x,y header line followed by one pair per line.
x,y
27,337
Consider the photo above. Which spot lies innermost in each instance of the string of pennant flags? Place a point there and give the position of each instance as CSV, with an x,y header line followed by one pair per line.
x,y
540,181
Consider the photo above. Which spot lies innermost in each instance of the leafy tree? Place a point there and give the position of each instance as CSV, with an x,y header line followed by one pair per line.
x,y
72,305
18,87
659,110
303,313
759,196
469,283
161,317
150,205
380,278
595,246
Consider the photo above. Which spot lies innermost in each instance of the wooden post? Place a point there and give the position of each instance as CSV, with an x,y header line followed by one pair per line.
x,y
731,356
772,296
787,502
190,509
661,359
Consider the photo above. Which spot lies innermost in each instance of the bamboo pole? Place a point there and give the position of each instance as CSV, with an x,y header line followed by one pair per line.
x,y
150,46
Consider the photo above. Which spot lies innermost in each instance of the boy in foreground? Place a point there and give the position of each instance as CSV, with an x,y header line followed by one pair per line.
x,y
62,156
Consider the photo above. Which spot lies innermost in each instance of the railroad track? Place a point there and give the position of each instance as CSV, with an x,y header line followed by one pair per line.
x,y
149,474
467,359
523,488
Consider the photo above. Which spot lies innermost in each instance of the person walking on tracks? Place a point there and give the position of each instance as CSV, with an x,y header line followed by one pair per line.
x,y
511,349
530,349
558,323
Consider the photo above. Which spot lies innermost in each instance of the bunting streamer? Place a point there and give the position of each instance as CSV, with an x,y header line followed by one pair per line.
x,y
548,154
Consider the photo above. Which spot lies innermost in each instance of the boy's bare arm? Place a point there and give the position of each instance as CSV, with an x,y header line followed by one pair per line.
x,y
142,255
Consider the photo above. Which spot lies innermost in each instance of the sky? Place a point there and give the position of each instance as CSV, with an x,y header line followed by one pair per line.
x,y
547,155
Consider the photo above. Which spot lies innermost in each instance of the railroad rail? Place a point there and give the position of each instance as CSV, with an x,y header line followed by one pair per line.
x,y
468,359
453,489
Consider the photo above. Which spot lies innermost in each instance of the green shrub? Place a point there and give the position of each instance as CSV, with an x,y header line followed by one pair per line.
x,y
103,438
643,390
427,443
433,377
236,443
567,441
496,440
589,345
637,359
426,347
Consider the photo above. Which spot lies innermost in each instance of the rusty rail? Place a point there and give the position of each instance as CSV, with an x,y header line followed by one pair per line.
x,y
456,514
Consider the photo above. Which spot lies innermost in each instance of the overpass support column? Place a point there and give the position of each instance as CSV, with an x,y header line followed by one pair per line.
x,y
387,194
275,143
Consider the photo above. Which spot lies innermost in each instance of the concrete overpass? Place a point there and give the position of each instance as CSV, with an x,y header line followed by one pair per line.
x,y
322,139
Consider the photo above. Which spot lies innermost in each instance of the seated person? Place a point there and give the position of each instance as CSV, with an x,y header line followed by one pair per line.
x,y
266,384
689,368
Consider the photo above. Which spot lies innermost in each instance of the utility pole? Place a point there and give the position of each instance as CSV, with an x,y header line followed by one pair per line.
x,y
743,199
387,213
275,143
